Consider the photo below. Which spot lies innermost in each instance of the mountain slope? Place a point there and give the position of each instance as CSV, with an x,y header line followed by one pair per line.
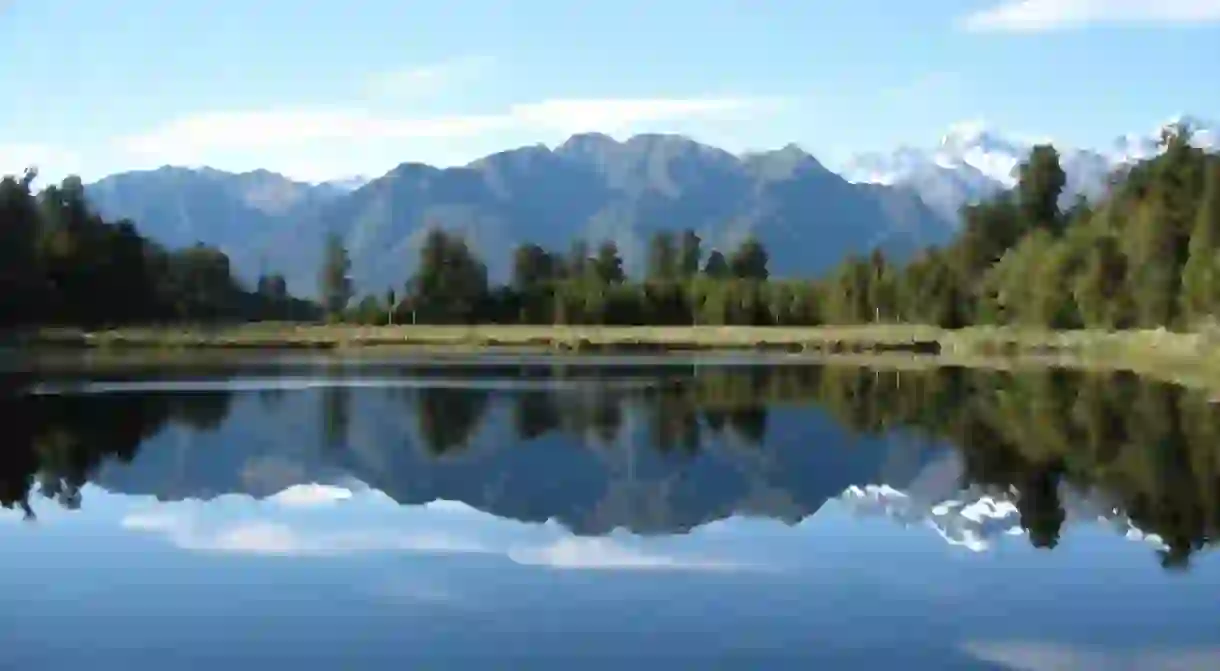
x,y
179,206
591,186
972,162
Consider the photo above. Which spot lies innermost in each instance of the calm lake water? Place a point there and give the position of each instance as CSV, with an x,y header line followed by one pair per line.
x,y
499,513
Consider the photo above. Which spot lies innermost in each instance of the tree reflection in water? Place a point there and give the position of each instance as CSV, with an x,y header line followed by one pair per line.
x,y
1149,448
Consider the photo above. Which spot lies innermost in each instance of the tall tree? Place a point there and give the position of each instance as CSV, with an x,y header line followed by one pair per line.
x,y
1201,274
717,267
533,266
662,257
608,265
1040,182
334,280
21,287
749,261
690,253
450,283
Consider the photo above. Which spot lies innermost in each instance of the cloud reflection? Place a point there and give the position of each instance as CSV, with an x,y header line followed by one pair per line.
x,y
300,522
602,553
307,495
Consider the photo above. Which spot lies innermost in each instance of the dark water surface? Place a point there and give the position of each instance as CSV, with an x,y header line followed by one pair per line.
x,y
492,514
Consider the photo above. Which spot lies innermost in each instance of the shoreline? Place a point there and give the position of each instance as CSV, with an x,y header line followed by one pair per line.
x,y
1160,354
875,338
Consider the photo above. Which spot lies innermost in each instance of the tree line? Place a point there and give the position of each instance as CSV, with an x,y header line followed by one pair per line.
x,y
1144,449
62,263
1146,255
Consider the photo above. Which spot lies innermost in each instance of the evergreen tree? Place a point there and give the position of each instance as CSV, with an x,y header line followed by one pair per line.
x,y
717,267
1040,183
1201,274
749,261
608,265
533,267
450,283
663,257
1100,290
690,253
334,281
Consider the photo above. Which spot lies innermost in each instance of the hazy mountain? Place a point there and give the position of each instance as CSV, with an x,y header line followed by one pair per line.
x,y
595,187
972,162
590,186
182,206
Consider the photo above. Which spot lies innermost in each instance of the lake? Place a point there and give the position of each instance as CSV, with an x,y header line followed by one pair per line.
x,y
604,512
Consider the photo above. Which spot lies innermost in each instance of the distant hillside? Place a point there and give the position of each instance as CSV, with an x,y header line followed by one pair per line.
x,y
590,186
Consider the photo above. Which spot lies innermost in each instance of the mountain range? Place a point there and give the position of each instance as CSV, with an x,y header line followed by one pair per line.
x,y
595,187
973,161
592,491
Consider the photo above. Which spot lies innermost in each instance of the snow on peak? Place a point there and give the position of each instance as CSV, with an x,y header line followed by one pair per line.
x,y
973,518
968,133
973,161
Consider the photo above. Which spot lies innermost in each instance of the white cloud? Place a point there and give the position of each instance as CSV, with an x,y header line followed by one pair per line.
x,y
258,537
528,545
1040,15
310,495
219,131
318,143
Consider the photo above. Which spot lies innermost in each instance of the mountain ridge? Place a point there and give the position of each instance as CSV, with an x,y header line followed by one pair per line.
x,y
974,161
592,186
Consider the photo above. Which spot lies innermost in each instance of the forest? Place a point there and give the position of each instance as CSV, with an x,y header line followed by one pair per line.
x,y
63,264
1144,256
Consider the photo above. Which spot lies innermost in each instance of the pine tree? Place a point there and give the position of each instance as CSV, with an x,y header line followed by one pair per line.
x,y
690,253
749,261
662,257
334,282
1201,274
608,265
717,267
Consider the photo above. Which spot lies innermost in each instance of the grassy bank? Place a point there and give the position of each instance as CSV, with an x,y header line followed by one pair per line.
x,y
1192,349
535,338
1188,358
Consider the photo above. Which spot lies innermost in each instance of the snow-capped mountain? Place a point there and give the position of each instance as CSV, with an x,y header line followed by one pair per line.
x,y
974,519
973,161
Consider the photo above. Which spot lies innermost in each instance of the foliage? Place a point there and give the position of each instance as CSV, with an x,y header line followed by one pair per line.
x,y
334,281
62,264
1146,256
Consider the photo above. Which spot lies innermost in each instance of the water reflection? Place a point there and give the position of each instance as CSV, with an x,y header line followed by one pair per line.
x,y
538,516
662,451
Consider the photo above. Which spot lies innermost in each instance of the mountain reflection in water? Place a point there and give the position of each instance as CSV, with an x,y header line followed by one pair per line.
x,y
679,468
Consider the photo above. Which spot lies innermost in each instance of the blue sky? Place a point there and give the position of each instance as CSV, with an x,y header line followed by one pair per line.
x,y
320,89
